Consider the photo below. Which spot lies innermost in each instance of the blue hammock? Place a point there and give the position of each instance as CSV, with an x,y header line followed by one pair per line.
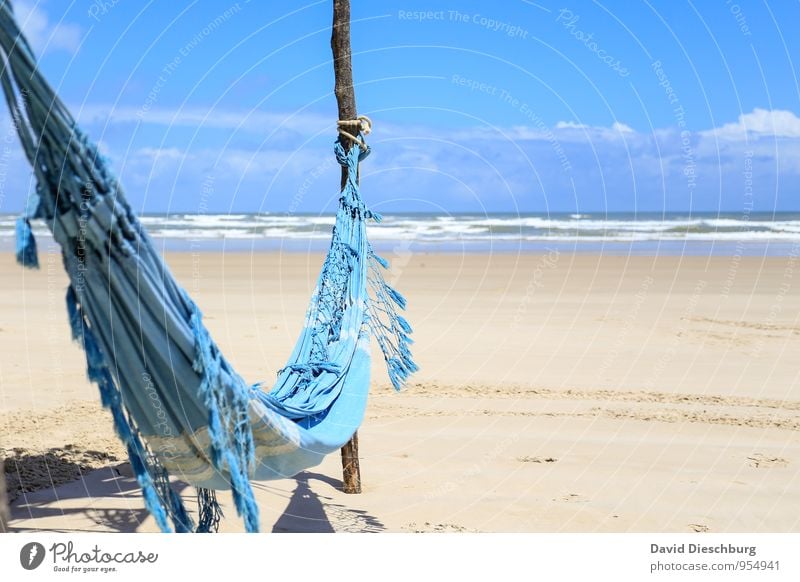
x,y
177,403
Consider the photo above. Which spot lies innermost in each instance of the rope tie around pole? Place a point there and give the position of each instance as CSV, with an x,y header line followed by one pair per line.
x,y
364,125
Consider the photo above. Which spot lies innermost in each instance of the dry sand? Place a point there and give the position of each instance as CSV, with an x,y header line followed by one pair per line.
x,y
561,392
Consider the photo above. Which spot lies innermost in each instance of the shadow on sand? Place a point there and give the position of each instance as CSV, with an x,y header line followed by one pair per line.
x,y
311,512
91,490
86,498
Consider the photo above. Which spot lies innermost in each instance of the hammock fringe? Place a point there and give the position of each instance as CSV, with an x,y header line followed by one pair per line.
x,y
27,255
161,501
209,511
389,328
228,421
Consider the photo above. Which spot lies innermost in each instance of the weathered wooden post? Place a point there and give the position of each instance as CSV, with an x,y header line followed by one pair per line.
x,y
4,515
346,100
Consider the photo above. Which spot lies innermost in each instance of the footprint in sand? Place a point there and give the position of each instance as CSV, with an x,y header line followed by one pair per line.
x,y
527,459
762,461
429,527
573,498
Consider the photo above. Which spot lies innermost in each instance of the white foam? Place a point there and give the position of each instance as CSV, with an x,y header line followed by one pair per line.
x,y
575,228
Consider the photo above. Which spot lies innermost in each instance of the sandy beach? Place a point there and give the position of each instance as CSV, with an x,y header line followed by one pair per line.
x,y
559,392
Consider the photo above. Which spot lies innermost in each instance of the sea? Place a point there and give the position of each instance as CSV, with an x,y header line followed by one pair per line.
x,y
678,233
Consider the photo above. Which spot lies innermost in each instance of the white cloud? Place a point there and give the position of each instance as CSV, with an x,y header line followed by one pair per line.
x,y
775,122
307,124
592,132
616,127
571,125
242,120
237,162
562,131
41,33
161,153
621,127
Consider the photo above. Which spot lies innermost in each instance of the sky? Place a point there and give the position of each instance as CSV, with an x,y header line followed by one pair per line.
x,y
513,106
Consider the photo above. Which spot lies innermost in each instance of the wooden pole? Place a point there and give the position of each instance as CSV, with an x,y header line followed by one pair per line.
x,y
4,516
351,471
346,101
342,66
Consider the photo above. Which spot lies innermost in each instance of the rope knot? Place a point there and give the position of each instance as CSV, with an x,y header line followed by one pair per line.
x,y
362,123
351,158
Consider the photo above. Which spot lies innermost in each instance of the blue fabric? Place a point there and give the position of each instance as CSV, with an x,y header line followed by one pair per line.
x,y
178,405
26,245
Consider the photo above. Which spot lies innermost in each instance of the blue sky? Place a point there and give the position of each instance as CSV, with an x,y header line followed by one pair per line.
x,y
216,106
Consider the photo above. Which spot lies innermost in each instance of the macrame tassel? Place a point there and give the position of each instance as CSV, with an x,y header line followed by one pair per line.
x,y
373,215
235,454
381,261
26,245
177,510
405,326
395,296
209,511
390,330
75,317
151,499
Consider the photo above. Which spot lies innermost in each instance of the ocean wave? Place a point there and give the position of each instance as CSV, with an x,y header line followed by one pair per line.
x,y
470,228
